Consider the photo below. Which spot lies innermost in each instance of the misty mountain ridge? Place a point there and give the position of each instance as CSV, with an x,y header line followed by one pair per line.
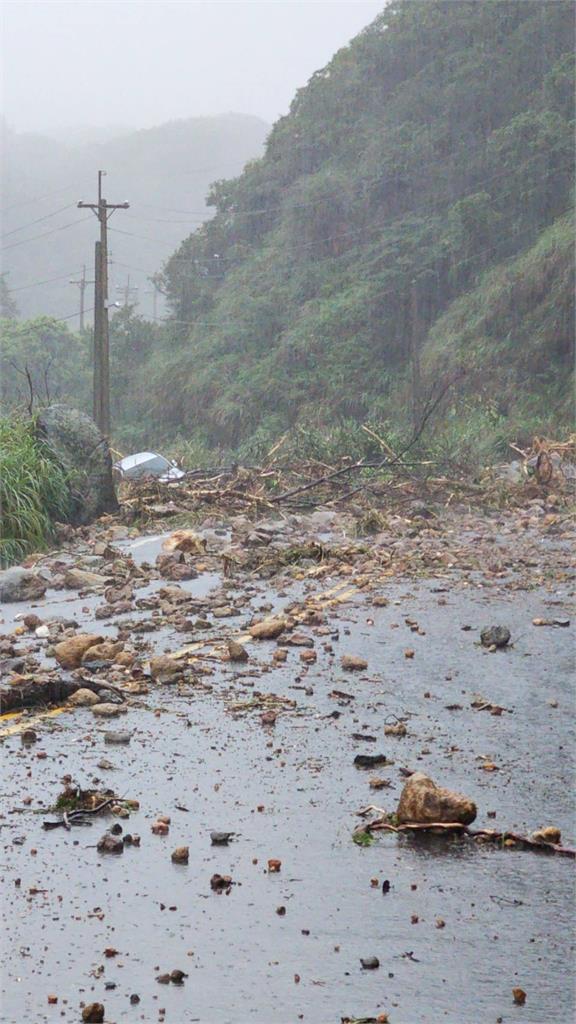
x,y
164,173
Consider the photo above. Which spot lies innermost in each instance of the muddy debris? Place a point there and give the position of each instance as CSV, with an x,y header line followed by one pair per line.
x,y
119,738
236,652
370,963
109,843
370,760
221,838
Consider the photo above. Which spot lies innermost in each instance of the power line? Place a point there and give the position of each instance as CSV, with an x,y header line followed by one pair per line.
x,y
39,220
45,234
39,199
36,284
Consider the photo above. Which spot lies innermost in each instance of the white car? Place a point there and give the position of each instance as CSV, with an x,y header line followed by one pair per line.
x,y
136,467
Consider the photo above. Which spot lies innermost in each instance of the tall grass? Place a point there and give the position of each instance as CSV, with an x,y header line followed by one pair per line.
x,y
34,491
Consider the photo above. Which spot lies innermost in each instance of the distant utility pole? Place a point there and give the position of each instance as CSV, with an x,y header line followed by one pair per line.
x,y
103,211
82,285
127,291
415,333
154,292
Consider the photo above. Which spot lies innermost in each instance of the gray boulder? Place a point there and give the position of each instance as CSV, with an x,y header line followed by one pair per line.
x,y
84,452
20,585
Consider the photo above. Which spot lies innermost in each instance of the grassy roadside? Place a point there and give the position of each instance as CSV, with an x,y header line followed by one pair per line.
x,y
34,491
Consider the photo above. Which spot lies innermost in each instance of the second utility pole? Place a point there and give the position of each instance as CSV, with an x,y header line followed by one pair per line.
x,y
103,211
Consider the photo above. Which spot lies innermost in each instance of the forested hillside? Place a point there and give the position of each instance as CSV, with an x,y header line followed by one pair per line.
x,y
415,199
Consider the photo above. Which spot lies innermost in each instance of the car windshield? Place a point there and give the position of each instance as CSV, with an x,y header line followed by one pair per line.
x,y
156,464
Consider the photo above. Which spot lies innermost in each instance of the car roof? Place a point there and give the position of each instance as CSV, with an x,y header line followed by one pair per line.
x,y
129,461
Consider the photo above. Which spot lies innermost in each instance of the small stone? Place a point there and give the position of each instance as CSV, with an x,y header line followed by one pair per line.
x,y
220,838
236,652
28,737
110,844
370,963
164,669
550,834
519,996
274,866
379,601
177,977
160,828
83,698
106,710
52,1000
180,855
495,636
268,629
353,663
134,998
118,738
93,1013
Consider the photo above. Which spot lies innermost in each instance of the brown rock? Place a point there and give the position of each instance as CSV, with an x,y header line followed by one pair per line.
x,y
81,579
83,698
268,629
236,652
69,652
125,658
104,710
548,835
164,669
181,855
423,802
106,651
185,540
353,663
93,1013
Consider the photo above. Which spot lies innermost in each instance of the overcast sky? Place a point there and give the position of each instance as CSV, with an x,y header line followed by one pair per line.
x,y
137,63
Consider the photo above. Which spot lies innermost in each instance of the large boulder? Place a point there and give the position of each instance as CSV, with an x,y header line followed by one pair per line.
x,y
18,584
84,452
422,802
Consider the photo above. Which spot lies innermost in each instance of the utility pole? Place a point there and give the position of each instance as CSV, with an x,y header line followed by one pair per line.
x,y
103,211
154,292
82,285
415,332
127,292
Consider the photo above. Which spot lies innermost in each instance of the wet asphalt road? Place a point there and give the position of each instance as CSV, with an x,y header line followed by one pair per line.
x,y
292,793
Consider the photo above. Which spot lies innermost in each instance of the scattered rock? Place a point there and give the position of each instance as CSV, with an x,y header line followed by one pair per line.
x,y
28,737
268,629
107,710
423,802
495,636
236,652
102,652
353,663
519,996
186,541
399,729
274,866
180,855
548,835
221,838
81,579
370,760
177,977
110,844
83,698
93,1013
18,584
120,738
69,652
370,963
164,669
221,883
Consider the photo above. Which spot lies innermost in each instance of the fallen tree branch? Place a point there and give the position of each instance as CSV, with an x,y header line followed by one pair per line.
x,y
483,835
32,693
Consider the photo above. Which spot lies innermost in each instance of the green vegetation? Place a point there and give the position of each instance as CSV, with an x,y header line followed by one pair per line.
x,y
416,199
34,492
437,147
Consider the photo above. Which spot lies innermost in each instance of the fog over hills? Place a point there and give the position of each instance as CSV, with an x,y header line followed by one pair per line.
x,y
163,172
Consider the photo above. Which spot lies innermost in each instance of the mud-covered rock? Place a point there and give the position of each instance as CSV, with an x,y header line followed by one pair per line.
x,y
269,629
84,698
106,651
18,584
164,669
84,453
236,652
69,652
495,636
423,802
